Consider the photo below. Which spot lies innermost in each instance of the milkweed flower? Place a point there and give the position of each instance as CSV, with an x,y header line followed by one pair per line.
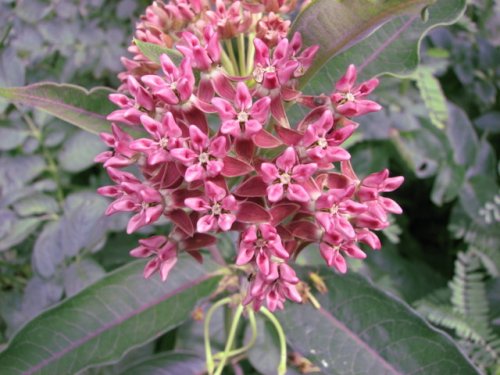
x,y
217,153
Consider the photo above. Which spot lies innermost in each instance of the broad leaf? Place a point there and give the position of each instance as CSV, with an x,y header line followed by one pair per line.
x,y
391,48
104,321
360,329
74,104
167,364
154,51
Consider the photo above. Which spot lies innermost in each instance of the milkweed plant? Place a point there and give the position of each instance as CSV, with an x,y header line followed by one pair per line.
x,y
219,153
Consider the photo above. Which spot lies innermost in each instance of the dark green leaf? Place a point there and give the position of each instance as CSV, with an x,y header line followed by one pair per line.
x,y
106,320
171,363
360,329
154,51
448,183
392,48
74,104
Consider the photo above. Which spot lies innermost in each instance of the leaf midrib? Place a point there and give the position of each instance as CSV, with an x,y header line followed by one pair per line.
x,y
80,342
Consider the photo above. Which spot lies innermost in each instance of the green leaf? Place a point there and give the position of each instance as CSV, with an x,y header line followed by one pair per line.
x,y
391,48
360,329
168,364
433,96
462,137
81,274
106,320
448,183
154,51
74,104
338,25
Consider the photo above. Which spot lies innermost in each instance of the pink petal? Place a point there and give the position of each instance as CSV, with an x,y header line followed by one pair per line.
x,y
243,99
347,81
287,160
231,127
198,138
225,109
151,267
297,193
225,221
194,172
185,155
269,172
141,252
275,192
304,171
166,266
214,192
206,223
217,147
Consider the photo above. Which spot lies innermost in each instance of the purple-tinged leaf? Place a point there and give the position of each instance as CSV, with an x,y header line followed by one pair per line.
x,y
106,320
377,36
74,104
360,329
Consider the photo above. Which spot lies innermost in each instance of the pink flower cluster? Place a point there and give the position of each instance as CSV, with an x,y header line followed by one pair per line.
x,y
219,154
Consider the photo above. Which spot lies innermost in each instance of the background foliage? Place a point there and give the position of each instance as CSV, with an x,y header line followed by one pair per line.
x,y
439,128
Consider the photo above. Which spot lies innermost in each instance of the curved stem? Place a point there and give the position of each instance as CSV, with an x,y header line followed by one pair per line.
x,y
253,339
206,332
230,339
281,334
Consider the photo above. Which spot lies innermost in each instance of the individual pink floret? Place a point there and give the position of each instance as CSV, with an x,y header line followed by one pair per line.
x,y
219,205
243,118
203,156
284,178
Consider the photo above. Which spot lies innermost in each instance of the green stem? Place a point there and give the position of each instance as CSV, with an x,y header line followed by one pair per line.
x,y
251,54
232,56
226,62
206,331
281,334
241,54
248,346
230,339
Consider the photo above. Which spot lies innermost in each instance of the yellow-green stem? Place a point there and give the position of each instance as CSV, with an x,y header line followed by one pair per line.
x,y
232,56
250,55
251,342
230,339
206,332
241,54
281,335
226,63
